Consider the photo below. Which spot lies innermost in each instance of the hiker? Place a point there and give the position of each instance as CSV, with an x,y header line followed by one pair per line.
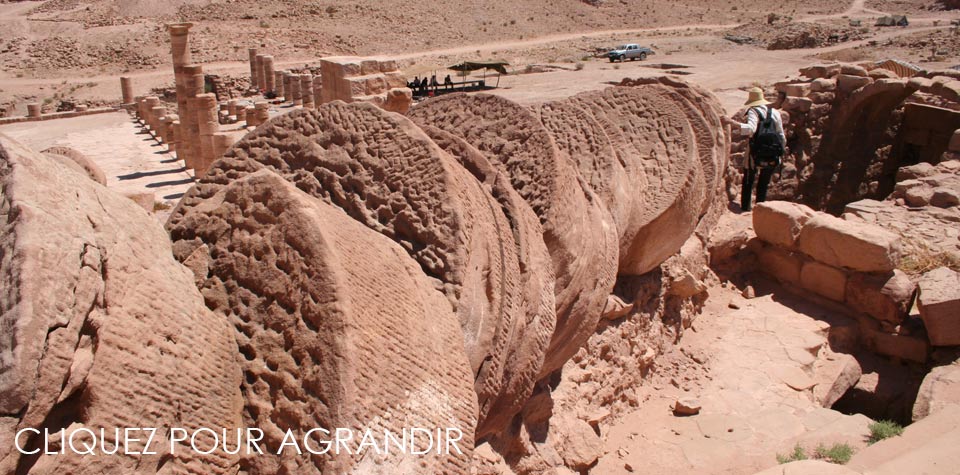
x,y
767,145
433,82
415,84
447,82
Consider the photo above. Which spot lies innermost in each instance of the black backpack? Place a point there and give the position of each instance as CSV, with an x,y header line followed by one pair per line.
x,y
765,145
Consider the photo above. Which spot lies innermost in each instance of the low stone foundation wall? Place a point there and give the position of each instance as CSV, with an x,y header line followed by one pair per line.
x,y
848,262
59,115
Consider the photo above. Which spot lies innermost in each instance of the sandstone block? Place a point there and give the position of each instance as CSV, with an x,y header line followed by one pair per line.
x,y
847,83
884,297
797,89
905,347
853,70
955,142
881,73
823,85
824,280
918,196
944,197
798,104
834,378
398,100
912,172
822,98
857,246
780,222
940,388
820,71
939,303
686,406
781,264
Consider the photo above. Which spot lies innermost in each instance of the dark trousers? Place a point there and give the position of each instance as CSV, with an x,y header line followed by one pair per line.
x,y
749,175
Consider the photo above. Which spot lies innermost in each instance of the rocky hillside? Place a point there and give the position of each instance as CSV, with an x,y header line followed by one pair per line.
x,y
108,36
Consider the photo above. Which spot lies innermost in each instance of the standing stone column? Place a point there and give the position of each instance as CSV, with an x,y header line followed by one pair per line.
x,y
258,64
126,89
157,113
278,83
261,112
34,110
170,138
268,76
306,90
250,116
253,68
208,118
287,86
183,73
190,144
295,84
148,104
177,137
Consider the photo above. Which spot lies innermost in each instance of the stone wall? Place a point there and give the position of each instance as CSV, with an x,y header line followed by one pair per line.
x,y
848,262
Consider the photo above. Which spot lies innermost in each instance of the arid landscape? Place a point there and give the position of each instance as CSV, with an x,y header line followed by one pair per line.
x,y
236,223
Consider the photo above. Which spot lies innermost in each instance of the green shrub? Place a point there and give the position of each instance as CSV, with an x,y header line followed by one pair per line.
x,y
837,453
884,430
797,454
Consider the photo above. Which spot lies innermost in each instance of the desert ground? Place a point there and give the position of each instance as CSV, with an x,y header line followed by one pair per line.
x,y
559,264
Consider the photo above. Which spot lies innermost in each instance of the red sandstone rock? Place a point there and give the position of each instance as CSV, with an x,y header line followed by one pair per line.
x,y
885,297
939,303
781,264
337,325
824,280
102,328
635,147
940,388
578,229
89,166
779,222
856,246
384,172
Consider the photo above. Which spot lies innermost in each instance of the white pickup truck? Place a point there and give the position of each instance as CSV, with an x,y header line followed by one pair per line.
x,y
630,51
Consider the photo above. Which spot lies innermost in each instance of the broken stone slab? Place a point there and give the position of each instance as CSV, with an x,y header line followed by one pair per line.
x,y
939,304
940,388
954,145
857,246
847,83
780,222
853,70
885,297
818,71
835,377
823,85
686,406
944,197
913,172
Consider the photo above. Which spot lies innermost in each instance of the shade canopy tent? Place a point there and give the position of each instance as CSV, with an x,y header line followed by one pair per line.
x,y
469,66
